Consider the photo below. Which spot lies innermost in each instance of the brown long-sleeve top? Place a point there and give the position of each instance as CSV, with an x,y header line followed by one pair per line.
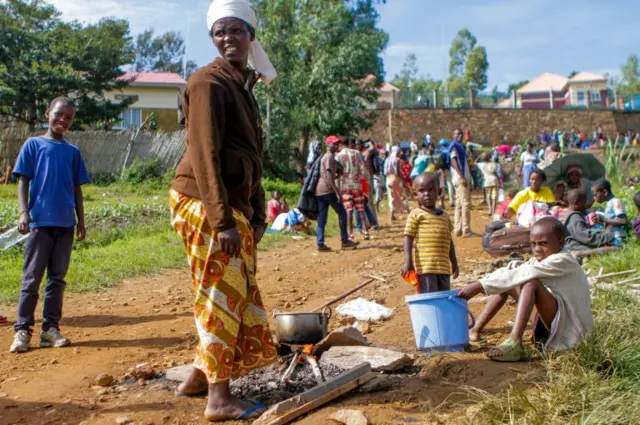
x,y
222,165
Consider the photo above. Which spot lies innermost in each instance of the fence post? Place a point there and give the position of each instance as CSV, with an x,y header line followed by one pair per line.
x,y
130,145
435,98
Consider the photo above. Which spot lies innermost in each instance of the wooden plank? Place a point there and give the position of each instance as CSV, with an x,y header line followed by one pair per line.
x,y
603,276
288,410
635,279
343,295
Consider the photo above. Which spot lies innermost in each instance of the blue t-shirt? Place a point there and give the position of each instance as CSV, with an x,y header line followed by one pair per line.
x,y
54,170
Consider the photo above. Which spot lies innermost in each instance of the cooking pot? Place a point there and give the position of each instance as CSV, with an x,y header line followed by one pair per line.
x,y
301,328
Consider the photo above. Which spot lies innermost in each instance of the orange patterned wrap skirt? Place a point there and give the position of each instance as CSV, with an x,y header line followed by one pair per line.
x,y
230,317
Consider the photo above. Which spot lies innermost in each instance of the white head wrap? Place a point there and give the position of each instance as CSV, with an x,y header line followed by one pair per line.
x,y
241,9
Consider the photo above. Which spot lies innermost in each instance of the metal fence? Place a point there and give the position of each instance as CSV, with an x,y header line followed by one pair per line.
x,y
465,99
445,99
104,152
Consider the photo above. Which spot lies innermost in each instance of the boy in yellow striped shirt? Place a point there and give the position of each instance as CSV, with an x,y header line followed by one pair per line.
x,y
429,229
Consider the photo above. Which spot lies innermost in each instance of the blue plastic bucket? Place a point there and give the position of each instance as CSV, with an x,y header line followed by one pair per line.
x,y
440,321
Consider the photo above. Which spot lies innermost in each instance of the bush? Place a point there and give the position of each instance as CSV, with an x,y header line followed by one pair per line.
x,y
291,191
103,179
142,171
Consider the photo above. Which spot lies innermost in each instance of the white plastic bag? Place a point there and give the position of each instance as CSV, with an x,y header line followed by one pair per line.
x,y
364,310
501,195
531,212
12,237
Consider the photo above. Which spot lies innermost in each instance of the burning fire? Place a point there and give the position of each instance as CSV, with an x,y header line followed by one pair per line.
x,y
308,349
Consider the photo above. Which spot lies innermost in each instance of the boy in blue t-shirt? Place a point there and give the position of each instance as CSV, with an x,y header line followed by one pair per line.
x,y
614,220
51,173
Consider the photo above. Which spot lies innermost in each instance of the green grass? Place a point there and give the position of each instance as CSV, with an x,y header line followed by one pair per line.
x,y
597,382
128,234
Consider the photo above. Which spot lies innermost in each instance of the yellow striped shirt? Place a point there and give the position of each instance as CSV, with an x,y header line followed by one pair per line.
x,y
432,241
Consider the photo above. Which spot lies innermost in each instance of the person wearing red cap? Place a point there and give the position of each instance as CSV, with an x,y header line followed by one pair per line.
x,y
352,196
328,195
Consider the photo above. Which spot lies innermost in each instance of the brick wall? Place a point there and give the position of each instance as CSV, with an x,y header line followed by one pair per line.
x,y
488,125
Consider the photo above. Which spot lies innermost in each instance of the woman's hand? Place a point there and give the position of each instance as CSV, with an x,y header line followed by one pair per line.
x,y
229,241
258,233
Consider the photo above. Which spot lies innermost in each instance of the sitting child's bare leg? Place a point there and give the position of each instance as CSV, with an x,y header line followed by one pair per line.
x,y
494,304
532,293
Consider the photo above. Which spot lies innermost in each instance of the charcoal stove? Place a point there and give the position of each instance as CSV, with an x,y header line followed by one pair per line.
x,y
302,354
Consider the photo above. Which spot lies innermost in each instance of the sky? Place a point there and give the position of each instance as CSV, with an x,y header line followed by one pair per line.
x,y
523,38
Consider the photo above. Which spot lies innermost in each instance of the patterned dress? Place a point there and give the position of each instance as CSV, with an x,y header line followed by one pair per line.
x,y
230,317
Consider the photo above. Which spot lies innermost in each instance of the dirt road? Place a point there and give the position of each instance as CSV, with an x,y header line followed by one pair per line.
x,y
148,319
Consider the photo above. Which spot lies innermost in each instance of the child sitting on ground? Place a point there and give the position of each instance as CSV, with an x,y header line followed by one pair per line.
x,y
614,220
430,228
636,221
275,207
553,282
580,236
502,208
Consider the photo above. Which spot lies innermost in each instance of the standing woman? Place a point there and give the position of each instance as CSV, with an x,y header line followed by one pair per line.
x,y
218,208
315,152
528,161
395,189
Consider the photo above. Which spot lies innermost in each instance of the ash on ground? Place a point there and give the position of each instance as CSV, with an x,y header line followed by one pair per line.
x,y
265,385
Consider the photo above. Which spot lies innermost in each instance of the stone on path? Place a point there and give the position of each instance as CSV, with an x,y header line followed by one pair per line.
x,y
144,371
123,420
349,417
179,373
103,380
341,337
380,359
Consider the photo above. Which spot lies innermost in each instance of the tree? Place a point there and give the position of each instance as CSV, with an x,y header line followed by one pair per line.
x,y
408,73
572,74
514,87
323,52
468,63
630,81
42,57
461,46
475,69
165,53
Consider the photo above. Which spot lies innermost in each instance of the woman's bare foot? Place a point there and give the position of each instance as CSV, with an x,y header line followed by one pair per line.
x,y
195,384
228,409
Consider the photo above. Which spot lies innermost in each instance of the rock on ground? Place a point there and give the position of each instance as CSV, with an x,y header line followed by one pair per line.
x,y
103,380
179,373
349,417
123,420
144,371
381,359
348,336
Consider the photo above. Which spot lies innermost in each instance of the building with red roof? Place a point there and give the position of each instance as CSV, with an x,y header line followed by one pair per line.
x,y
157,92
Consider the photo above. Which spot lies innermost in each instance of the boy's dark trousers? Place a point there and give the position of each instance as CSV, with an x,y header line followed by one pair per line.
x,y
47,249
428,283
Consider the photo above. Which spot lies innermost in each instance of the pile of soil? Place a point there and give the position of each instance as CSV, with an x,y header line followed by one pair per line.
x,y
265,385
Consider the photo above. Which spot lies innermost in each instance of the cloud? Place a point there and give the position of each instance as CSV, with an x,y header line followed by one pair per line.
x,y
141,14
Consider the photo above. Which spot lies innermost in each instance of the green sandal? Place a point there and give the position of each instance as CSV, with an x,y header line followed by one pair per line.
x,y
511,352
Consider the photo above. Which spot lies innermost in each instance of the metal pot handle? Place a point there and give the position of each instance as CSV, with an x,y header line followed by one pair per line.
x,y
275,312
330,312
